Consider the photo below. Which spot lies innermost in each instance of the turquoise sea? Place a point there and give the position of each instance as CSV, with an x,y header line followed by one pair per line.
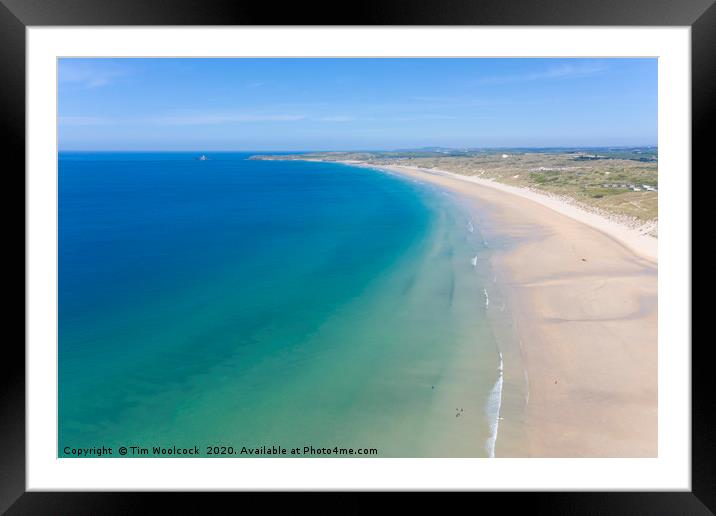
x,y
243,303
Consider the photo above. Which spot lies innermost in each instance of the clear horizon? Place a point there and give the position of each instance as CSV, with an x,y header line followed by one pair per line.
x,y
287,151
302,105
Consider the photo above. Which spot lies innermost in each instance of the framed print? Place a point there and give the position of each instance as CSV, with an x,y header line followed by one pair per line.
x,y
428,249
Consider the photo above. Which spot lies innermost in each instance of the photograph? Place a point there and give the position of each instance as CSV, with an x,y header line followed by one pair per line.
x,y
420,249
357,257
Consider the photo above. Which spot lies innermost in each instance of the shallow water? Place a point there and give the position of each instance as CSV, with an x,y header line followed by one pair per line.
x,y
233,302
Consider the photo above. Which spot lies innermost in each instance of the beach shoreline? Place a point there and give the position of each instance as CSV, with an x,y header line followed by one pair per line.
x,y
583,294
580,356
584,300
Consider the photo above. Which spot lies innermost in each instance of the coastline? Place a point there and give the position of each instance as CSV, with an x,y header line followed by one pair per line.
x,y
583,294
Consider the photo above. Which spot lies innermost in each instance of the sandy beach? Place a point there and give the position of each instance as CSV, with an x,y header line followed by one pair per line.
x,y
583,294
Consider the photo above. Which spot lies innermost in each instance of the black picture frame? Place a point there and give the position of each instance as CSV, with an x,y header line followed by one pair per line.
x,y
17,15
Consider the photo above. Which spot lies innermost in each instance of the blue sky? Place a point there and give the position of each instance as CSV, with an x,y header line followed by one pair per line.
x,y
347,104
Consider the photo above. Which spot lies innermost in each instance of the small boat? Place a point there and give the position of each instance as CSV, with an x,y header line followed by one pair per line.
x,y
203,158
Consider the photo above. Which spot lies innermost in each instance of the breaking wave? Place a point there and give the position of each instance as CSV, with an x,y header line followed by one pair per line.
x,y
492,411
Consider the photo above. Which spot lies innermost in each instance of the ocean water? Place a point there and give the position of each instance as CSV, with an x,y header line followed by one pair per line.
x,y
241,303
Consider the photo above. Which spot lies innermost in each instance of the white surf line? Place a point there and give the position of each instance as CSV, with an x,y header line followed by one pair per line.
x,y
492,410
